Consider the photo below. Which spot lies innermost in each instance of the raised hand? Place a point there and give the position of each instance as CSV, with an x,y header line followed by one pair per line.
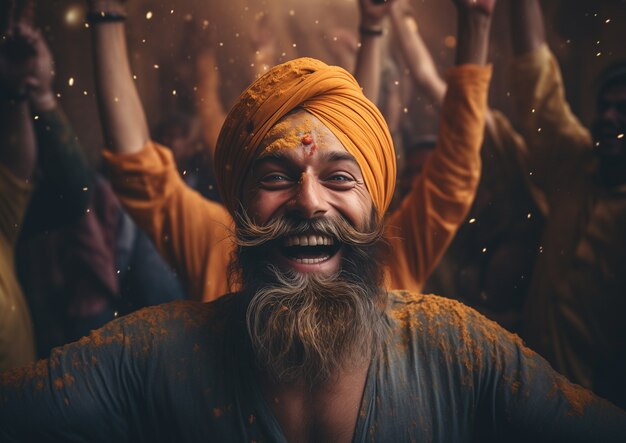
x,y
26,66
372,12
484,6
39,81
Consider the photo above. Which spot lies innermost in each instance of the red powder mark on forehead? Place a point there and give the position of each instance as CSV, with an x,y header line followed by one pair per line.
x,y
312,150
307,139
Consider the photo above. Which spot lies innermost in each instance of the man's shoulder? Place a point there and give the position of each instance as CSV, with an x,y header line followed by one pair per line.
x,y
181,318
432,318
413,305
426,315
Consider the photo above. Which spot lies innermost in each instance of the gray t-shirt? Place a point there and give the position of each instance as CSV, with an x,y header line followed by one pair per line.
x,y
183,372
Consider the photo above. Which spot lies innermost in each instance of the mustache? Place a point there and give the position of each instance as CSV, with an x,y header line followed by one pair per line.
x,y
250,234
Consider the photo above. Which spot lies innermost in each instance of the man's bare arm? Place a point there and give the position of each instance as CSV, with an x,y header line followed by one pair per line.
x,y
208,102
527,28
474,23
552,132
123,119
369,55
416,55
64,179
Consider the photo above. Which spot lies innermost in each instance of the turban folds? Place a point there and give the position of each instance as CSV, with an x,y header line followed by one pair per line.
x,y
328,92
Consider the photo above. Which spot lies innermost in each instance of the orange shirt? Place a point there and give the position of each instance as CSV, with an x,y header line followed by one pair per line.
x,y
193,233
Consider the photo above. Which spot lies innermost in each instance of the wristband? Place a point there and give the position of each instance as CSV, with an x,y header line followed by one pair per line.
x,y
104,17
370,31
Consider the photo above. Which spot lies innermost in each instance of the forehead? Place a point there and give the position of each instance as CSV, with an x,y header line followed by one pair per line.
x,y
299,129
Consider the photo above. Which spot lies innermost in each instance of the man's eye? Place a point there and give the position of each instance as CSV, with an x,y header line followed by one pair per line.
x,y
340,182
341,178
275,181
274,178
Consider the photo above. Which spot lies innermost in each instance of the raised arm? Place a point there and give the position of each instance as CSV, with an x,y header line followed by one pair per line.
x,y
427,219
123,119
527,29
18,152
473,27
208,101
188,230
64,181
369,56
420,61
416,55
553,133
17,163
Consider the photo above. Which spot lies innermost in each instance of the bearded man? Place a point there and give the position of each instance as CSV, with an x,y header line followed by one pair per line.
x,y
312,348
193,234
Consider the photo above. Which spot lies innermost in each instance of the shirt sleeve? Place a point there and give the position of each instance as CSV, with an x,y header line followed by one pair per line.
x,y
489,382
554,135
66,397
422,227
191,232
137,379
506,161
521,398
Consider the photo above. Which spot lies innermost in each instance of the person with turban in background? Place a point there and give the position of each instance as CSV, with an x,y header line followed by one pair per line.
x,y
194,235
313,347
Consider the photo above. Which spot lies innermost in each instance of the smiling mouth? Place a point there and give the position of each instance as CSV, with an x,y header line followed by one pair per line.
x,y
309,248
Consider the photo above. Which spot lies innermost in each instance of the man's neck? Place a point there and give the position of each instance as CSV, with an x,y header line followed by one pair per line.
x,y
326,411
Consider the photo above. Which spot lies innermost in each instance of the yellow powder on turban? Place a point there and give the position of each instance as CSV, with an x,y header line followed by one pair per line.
x,y
328,92
292,140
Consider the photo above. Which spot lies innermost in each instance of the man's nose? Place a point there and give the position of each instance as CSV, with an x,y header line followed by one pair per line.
x,y
309,201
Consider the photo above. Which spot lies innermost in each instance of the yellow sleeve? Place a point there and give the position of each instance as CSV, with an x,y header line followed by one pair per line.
x,y
15,194
17,345
427,219
506,162
553,134
191,232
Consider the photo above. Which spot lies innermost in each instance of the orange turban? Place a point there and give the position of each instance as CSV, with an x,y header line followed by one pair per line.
x,y
328,92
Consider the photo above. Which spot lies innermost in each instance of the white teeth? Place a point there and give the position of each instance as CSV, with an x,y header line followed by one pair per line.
x,y
308,240
312,261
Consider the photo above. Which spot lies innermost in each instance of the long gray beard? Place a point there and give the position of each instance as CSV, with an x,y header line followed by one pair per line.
x,y
309,326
